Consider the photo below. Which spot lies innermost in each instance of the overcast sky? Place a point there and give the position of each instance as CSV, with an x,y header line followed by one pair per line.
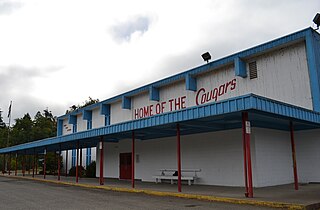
x,y
56,53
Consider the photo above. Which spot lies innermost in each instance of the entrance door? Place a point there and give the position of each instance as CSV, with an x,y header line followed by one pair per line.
x,y
125,166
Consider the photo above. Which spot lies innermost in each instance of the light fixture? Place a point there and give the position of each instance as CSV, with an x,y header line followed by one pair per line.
x,y
206,56
316,20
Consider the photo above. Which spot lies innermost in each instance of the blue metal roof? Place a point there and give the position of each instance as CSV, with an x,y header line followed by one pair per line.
x,y
222,115
254,51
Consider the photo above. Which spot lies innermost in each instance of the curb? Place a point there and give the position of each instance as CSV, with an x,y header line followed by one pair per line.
x,y
177,195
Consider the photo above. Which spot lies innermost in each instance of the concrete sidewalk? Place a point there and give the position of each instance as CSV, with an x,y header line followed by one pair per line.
x,y
284,196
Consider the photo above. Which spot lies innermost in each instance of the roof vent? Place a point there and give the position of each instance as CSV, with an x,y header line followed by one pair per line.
x,y
253,70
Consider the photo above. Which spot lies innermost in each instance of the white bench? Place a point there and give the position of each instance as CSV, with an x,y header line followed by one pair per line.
x,y
165,176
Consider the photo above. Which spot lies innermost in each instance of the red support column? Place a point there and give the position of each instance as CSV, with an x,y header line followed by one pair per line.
x,y
4,163
179,157
247,130
66,163
101,180
245,158
44,163
29,164
33,164
9,164
132,160
59,162
23,164
80,168
55,160
77,168
36,164
16,166
293,148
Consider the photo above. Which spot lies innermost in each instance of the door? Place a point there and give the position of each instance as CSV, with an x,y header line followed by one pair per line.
x,y
125,166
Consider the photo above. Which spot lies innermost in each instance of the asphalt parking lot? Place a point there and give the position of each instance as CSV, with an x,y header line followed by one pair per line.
x,y
27,194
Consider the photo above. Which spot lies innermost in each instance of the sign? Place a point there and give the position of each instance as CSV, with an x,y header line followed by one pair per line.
x,y
202,96
248,127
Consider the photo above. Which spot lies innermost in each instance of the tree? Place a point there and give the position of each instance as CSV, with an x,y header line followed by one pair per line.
x,y
45,125
3,132
21,132
85,103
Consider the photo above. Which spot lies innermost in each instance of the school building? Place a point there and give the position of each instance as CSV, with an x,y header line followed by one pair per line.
x,y
250,119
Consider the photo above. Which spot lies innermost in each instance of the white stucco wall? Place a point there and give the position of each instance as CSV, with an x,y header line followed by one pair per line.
x,y
66,128
271,157
219,155
97,118
81,124
118,114
282,75
308,155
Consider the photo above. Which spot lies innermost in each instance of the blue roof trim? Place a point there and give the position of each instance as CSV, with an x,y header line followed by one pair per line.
x,y
105,109
232,105
59,127
294,37
240,67
126,102
72,119
191,83
154,94
87,115
313,57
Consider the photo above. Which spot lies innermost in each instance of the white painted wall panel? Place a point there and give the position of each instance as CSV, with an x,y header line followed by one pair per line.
x,y
111,160
67,128
118,114
282,75
81,124
308,155
271,157
97,118
218,155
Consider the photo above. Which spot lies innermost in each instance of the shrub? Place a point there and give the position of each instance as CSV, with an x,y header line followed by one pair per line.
x,y
72,171
91,170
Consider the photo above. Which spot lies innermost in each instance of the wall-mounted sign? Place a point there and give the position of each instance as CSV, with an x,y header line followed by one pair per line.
x,y
202,96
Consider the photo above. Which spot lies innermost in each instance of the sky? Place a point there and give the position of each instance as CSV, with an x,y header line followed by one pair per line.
x,y
57,53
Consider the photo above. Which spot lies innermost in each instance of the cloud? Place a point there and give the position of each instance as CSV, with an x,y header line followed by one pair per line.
x,y
17,84
8,7
123,31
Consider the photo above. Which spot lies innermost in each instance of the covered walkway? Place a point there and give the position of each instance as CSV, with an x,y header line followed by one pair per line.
x,y
240,112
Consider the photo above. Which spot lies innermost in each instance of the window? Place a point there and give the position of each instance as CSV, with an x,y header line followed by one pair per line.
x,y
253,70
89,124
88,157
74,128
73,158
107,120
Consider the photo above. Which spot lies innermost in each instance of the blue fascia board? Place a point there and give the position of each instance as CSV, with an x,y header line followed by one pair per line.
x,y
87,115
313,58
232,105
154,94
59,127
251,52
240,67
191,83
105,109
72,119
126,102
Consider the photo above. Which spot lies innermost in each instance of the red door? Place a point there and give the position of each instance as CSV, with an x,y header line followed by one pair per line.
x,y
125,166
